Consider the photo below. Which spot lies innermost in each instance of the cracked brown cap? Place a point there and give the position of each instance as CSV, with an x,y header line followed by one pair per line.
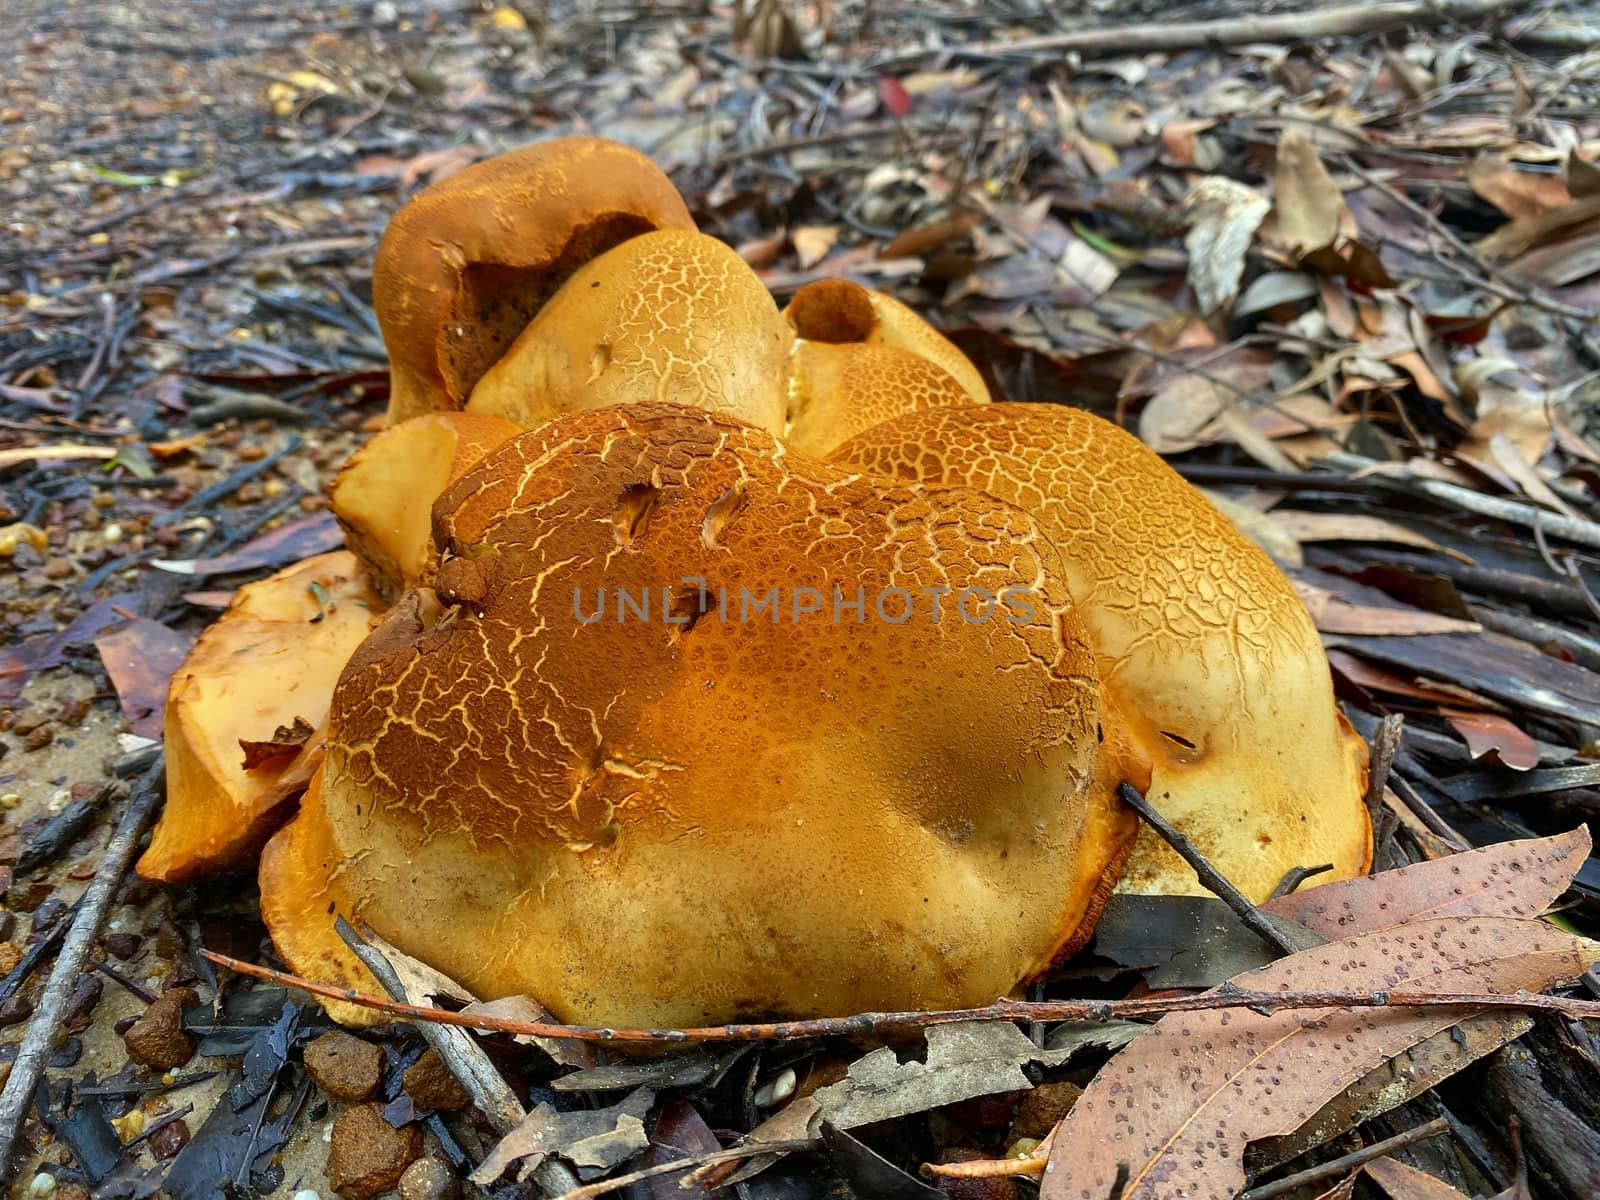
x,y
671,316
1199,638
271,659
466,263
700,809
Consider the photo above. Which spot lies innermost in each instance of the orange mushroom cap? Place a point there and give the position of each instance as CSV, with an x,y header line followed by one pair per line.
x,y
838,391
839,311
383,496
466,263
1200,639
272,658
670,316
693,817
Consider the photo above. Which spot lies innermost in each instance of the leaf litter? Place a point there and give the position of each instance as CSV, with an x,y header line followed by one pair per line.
x,y
1333,269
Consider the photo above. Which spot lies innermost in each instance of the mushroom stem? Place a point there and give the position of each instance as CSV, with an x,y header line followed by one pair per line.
x,y
1270,930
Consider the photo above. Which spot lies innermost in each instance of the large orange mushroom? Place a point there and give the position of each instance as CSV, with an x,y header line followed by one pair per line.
x,y
1200,639
269,663
582,767
467,263
672,316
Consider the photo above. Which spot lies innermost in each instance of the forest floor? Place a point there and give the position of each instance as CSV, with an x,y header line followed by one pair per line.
x,y
1345,278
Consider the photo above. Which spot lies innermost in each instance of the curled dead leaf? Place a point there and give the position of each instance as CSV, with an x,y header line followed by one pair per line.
x,y
1173,1112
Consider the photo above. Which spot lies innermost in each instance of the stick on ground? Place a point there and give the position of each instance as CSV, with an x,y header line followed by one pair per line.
x,y
46,1025
1278,937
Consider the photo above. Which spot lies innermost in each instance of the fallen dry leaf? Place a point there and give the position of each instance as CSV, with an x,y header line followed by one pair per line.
x,y
1393,1083
1223,218
812,243
286,740
1308,205
1352,527
1516,193
1334,614
1177,1107
1487,734
1176,417
1512,879
1402,1182
925,239
1371,677
599,1138
141,655
304,538
967,1059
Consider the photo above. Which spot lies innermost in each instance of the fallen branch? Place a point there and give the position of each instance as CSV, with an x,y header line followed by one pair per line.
x,y
49,1017
1338,1166
694,1163
879,1023
1342,21
1573,529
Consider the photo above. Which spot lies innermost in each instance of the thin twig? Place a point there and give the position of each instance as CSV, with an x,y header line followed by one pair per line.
x,y
1496,281
878,1023
464,1057
1338,1166
1309,25
50,1015
695,1163
1583,532
1210,878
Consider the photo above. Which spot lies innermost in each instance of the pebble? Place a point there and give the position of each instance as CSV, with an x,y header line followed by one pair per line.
x,y
429,1179
158,1039
1043,1107
430,1085
15,1010
368,1155
42,1184
169,1139
344,1066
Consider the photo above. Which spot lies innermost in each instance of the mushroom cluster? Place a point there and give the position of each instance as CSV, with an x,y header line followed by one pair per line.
x,y
693,659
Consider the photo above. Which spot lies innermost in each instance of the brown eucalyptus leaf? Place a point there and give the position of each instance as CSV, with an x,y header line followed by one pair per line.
x,y
1335,614
1178,1106
1512,879
1403,1182
1308,204
1391,1084
964,1060
1516,193
1349,527
1223,218
1495,738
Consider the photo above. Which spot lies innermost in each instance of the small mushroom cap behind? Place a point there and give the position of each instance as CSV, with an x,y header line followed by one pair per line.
x,y
688,817
466,263
839,311
383,496
271,658
672,316
1199,637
